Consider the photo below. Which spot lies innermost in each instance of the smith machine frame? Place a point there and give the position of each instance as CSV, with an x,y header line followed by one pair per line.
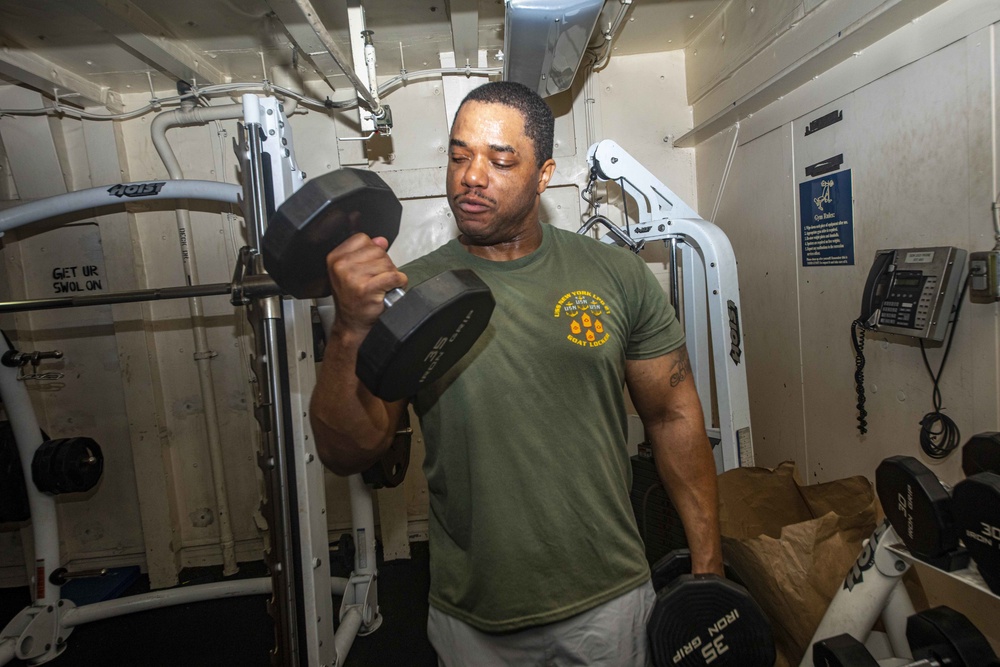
x,y
297,555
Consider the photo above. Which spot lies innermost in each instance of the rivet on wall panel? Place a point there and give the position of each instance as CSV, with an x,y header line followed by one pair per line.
x,y
89,532
201,517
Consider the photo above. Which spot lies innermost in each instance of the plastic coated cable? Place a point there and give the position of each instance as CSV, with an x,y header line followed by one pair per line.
x,y
229,88
939,435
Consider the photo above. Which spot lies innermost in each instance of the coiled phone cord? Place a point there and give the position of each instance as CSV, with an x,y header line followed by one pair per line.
x,y
939,435
858,339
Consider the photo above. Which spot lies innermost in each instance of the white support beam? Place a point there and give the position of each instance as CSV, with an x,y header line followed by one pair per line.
x,y
464,15
305,39
19,64
817,44
935,30
144,37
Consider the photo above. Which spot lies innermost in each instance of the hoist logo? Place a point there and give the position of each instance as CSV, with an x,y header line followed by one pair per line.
x,y
584,311
866,559
735,351
136,189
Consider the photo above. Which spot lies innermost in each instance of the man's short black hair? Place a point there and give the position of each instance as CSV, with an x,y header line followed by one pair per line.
x,y
539,124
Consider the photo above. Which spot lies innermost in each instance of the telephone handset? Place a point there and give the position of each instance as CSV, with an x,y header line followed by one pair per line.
x,y
876,287
909,292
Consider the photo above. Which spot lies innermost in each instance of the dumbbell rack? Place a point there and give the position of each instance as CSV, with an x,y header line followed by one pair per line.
x,y
874,589
968,576
300,585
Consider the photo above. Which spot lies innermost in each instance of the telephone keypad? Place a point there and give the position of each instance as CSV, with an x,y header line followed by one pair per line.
x,y
907,304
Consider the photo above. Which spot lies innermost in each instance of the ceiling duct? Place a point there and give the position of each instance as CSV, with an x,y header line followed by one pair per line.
x,y
544,41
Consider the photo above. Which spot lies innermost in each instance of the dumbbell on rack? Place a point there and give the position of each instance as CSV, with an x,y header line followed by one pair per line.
x,y
938,637
703,619
920,513
976,504
424,331
981,454
919,508
931,520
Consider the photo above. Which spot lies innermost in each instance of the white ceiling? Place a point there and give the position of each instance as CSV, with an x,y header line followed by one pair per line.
x,y
120,44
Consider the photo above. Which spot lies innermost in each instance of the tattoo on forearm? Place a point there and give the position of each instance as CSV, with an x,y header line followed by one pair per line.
x,y
681,369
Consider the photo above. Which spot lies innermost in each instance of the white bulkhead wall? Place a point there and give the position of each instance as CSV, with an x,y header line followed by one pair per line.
x,y
130,380
920,134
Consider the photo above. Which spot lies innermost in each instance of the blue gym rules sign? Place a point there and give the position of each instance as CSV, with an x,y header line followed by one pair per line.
x,y
826,208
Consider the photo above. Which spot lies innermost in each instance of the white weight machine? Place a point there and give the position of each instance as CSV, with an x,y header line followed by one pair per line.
x,y
300,585
704,289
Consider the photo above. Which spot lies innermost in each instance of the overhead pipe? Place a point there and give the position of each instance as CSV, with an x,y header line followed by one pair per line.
x,y
602,41
324,36
280,76
203,355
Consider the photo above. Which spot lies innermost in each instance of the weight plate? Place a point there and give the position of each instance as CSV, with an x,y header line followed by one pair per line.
x,y
424,334
707,620
981,454
976,503
947,637
917,506
67,465
390,470
318,217
842,651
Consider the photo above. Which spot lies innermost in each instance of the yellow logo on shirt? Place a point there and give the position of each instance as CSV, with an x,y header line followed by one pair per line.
x,y
584,311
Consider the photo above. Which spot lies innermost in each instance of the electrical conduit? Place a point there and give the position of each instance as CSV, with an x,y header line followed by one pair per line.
x,y
202,354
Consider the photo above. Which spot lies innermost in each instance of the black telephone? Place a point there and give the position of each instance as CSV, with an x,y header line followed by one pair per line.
x,y
913,291
909,292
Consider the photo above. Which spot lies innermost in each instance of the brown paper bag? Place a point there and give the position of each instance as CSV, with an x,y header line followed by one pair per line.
x,y
792,544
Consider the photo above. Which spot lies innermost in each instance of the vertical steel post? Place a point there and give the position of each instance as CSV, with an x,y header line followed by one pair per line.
x,y
284,367
264,316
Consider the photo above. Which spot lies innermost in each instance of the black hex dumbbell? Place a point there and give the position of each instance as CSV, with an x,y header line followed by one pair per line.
x,y
919,507
938,637
930,519
423,331
705,619
976,505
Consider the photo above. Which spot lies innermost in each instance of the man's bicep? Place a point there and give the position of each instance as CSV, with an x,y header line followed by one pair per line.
x,y
662,388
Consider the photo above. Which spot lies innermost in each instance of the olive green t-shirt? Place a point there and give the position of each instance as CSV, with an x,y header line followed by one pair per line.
x,y
527,466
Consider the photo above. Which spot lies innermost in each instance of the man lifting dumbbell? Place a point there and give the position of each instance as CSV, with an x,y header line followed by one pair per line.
x,y
534,553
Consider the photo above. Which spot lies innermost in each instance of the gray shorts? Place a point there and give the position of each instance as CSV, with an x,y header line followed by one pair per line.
x,y
610,635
